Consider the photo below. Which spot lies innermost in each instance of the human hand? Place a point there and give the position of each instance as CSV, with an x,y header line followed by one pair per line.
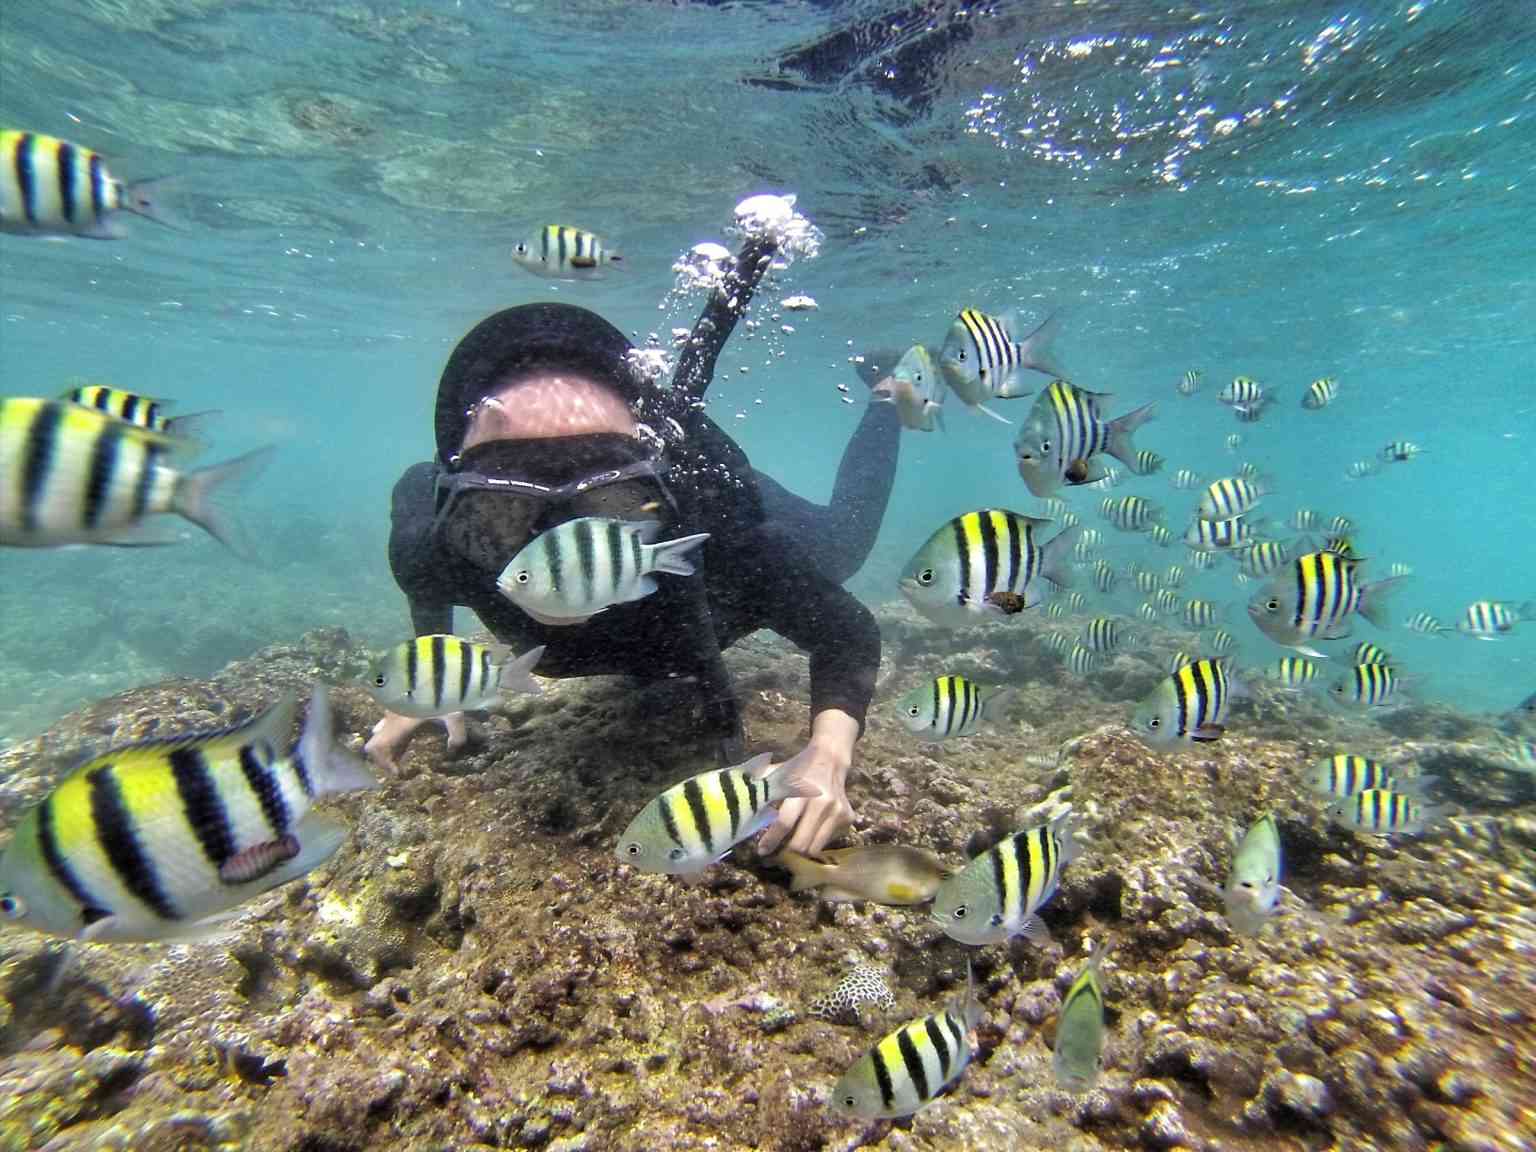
x,y
812,823
391,735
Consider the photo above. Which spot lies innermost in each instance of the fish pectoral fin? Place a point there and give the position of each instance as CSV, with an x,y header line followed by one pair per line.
x,y
985,411
1207,733
1034,930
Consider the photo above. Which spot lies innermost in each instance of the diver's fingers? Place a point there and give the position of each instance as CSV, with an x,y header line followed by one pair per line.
x,y
458,731
789,816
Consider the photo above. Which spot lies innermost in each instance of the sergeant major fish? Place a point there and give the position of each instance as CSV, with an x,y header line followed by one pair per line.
x,y
162,838
1190,705
563,253
693,824
989,561
1065,431
440,674
981,361
1312,599
587,565
916,387
951,706
1253,885
1320,393
48,185
998,894
910,1067
73,475
1382,811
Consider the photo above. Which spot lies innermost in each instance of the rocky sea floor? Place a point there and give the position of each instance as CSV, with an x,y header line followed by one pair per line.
x,y
475,970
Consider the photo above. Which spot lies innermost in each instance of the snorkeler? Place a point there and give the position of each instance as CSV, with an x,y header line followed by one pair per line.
x,y
542,418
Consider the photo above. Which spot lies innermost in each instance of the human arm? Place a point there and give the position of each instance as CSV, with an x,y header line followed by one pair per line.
x,y
726,305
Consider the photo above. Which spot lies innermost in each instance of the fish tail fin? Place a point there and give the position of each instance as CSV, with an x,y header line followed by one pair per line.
x,y
804,872
966,1006
1430,814
672,555
1373,600
148,198
516,676
1056,556
784,782
1035,349
331,767
1066,832
196,496
192,427
994,705
1120,444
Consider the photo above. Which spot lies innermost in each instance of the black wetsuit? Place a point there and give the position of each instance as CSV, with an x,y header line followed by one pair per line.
x,y
774,560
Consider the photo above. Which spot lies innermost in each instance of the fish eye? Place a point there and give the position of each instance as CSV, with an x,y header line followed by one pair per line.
x,y
1273,605
676,854
1045,446
1246,884
914,711
633,848
379,680
12,907
962,355
959,912
522,576
925,576
521,249
849,1101
1155,722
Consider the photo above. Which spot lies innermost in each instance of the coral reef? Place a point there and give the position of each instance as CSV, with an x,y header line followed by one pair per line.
x,y
475,970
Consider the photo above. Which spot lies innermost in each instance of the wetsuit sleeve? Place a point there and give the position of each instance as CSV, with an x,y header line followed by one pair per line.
x,y
727,304
412,556
771,574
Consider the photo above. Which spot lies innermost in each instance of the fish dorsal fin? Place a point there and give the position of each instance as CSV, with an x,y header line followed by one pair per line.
x,y
273,725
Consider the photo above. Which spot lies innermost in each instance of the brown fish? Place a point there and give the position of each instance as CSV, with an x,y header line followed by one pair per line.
x,y
884,873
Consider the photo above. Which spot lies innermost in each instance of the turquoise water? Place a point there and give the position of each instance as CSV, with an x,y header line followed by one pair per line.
x,y
1283,191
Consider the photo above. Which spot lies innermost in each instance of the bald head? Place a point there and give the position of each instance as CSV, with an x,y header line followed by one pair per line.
x,y
546,404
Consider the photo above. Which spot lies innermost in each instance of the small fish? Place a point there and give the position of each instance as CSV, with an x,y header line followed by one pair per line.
x,y
73,475
1162,536
48,185
1320,393
1130,513
1304,520
1253,885
1231,497
1088,541
1344,774
1399,451
1147,582
1070,519
1219,535
951,706
1342,546
1104,576
1368,685
1147,462
1493,619
1262,557
1082,660
1223,641
1055,507
1313,599
1367,653
1291,673
1190,705
1169,602
896,874
563,253
1202,613
908,1069
1362,469
1252,413
1244,390
1058,642
1341,526
1234,441
440,674
1107,634
143,411
1189,383
1203,558
1184,479
1076,601
998,894
587,565
1174,577
1055,609
1065,431
1400,570
979,554
981,361
1383,811
1424,623
1109,479
916,387
164,838
1178,662
693,824
1148,612
1079,1045
1248,471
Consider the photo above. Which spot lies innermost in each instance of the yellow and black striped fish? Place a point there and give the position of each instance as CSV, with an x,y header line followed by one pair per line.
x,y
1262,557
1130,513
1104,575
1190,705
1291,673
1081,660
1231,496
1223,641
1189,383
951,706
982,361
151,840
1202,613
1218,535
73,475
989,561
1369,685
564,253
143,411
910,1067
48,185
1162,536
997,894
1399,451
693,824
440,674
1491,619
1383,811
1168,601
1345,774
1320,393
1312,599
1427,625
1368,653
